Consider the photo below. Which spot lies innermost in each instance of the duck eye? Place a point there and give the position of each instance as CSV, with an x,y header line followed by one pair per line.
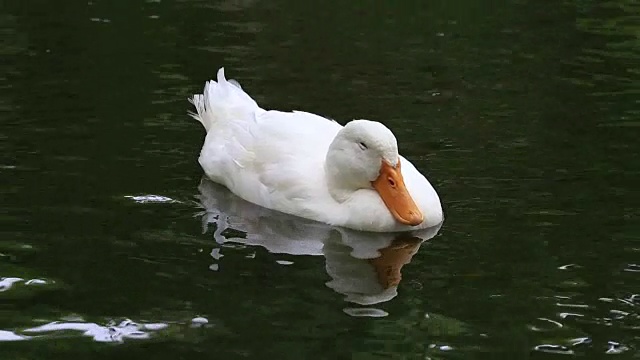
x,y
363,146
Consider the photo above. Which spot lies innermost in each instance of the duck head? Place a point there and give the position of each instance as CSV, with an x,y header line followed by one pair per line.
x,y
364,155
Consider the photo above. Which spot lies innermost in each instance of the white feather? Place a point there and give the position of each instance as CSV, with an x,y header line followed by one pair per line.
x,y
277,160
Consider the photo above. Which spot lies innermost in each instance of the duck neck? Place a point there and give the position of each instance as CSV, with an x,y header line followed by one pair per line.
x,y
336,185
342,176
344,172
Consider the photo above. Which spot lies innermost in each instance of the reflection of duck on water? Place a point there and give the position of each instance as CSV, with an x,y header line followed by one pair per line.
x,y
364,266
368,272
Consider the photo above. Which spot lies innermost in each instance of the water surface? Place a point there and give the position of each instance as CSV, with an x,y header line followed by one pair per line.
x,y
523,114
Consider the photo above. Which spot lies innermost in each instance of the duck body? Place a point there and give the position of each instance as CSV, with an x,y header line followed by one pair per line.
x,y
309,166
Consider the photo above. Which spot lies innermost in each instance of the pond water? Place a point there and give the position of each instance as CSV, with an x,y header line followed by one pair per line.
x,y
524,114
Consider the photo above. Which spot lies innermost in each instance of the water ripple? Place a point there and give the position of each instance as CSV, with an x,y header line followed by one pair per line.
x,y
612,312
632,268
554,349
146,199
365,312
616,348
111,331
6,283
11,336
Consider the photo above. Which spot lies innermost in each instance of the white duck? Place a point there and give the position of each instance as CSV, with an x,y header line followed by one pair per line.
x,y
306,165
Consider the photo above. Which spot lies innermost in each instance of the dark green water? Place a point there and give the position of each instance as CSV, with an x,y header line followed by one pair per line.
x,y
525,115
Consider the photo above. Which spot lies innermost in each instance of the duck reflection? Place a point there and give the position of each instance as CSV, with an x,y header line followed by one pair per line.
x,y
364,266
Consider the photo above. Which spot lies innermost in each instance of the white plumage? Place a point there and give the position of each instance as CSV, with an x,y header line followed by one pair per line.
x,y
306,165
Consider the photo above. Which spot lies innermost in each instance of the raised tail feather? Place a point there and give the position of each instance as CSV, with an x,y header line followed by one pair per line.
x,y
223,100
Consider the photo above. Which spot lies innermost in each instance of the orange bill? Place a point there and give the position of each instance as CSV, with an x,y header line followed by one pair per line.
x,y
394,194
